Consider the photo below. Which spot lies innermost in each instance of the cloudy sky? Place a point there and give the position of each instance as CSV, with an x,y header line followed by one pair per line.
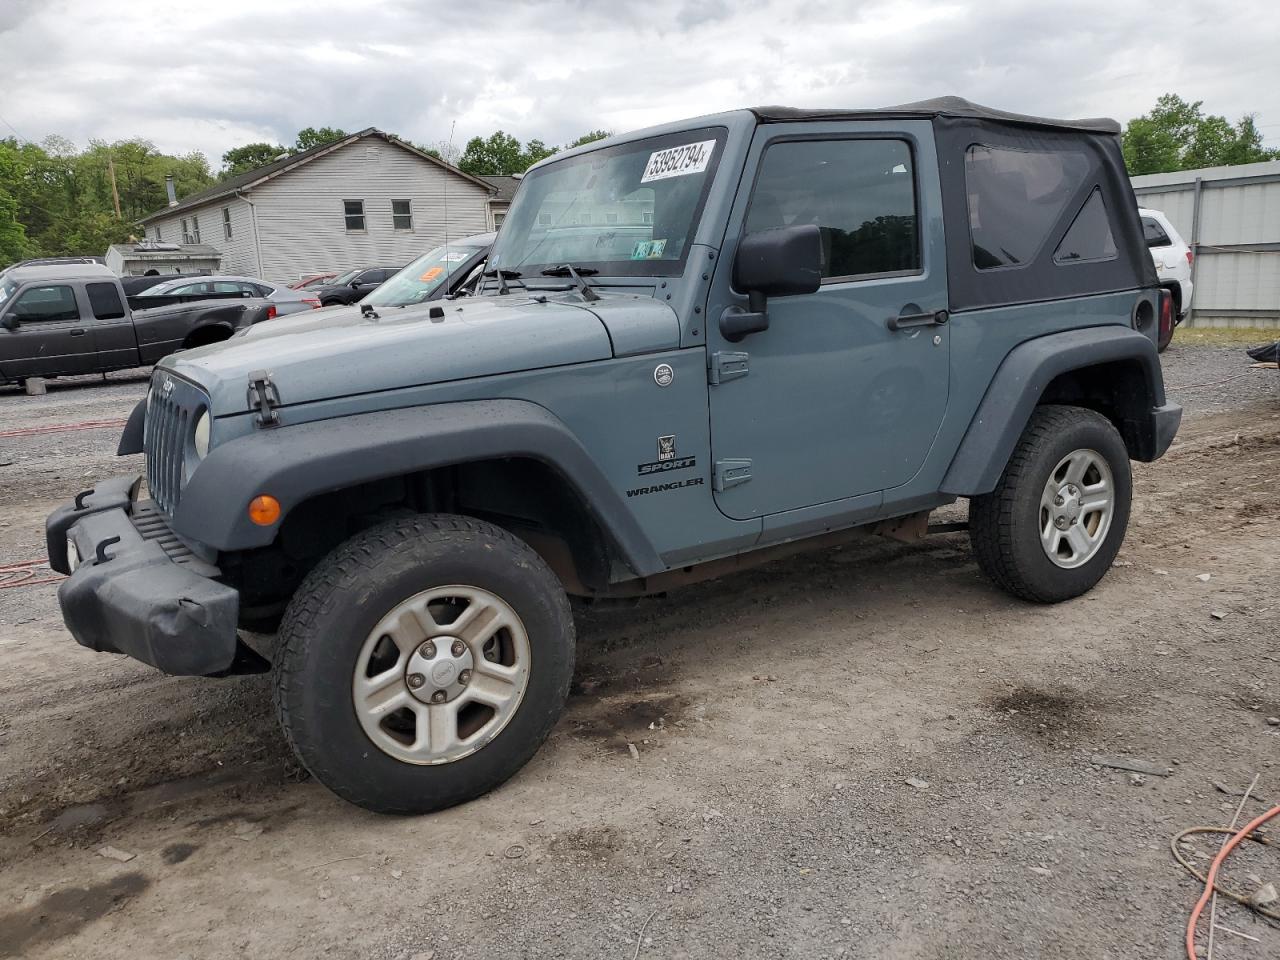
x,y
210,75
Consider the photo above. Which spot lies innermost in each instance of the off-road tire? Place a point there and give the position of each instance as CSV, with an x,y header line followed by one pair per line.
x,y
1004,524
342,600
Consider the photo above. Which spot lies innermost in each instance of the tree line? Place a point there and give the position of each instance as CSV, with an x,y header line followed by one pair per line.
x,y
58,200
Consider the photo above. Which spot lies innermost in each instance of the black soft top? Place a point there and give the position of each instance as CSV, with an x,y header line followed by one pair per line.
x,y
956,107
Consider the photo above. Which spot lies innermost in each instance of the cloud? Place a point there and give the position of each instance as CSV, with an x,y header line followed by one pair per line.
x,y
206,77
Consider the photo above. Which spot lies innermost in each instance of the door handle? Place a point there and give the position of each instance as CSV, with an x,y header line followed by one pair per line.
x,y
77,332
928,319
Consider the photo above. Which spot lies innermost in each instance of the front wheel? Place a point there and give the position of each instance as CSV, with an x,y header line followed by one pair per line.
x,y
423,663
1051,528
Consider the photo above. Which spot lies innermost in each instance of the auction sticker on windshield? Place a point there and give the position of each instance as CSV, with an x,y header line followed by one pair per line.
x,y
678,161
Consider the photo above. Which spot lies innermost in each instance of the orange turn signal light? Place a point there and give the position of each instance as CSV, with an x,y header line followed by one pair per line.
x,y
264,510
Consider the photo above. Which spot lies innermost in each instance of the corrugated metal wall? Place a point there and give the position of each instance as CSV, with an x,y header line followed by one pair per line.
x,y
301,228
1231,218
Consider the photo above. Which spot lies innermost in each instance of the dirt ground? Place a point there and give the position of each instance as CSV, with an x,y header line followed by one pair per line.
x,y
865,752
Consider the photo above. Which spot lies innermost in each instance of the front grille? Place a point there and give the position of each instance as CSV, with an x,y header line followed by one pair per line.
x,y
172,408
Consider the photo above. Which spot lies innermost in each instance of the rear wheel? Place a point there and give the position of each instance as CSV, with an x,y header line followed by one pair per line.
x,y
1054,523
423,663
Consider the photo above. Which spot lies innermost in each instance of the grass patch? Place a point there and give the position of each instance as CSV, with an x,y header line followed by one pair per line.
x,y
1224,336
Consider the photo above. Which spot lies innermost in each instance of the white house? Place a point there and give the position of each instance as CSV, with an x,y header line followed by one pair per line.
x,y
149,258
368,198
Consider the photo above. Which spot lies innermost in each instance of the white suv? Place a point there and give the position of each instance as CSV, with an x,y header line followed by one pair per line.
x,y
1172,258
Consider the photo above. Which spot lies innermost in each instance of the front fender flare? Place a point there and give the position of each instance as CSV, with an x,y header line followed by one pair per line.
x,y
295,463
1020,382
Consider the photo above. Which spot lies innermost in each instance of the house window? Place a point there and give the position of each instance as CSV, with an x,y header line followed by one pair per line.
x,y
498,218
226,223
155,234
186,233
610,218
353,210
648,216
544,219
401,215
584,218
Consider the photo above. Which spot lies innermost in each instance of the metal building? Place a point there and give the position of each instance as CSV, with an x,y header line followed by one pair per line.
x,y
1231,218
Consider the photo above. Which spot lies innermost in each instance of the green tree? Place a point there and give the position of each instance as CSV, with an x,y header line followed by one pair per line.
x,y
240,160
500,154
1178,135
315,136
589,137
534,151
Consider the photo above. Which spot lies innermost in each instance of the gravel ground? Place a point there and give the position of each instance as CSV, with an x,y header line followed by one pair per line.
x,y
867,751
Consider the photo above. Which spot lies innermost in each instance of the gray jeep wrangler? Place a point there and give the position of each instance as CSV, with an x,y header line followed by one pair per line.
x,y
695,347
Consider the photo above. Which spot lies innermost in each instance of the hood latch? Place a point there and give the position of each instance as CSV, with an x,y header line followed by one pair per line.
x,y
264,398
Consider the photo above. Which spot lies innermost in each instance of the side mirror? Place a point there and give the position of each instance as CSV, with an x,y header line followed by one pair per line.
x,y
10,322
780,262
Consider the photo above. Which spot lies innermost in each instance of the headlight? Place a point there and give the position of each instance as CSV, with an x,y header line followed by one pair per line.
x,y
201,436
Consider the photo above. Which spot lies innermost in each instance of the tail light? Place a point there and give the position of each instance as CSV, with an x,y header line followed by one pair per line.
x,y
271,311
312,302
1190,258
1166,314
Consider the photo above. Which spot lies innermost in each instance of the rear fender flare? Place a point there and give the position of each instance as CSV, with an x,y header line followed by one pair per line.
x,y
1020,382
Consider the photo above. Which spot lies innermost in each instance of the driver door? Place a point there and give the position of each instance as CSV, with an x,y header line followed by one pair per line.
x,y
835,400
50,337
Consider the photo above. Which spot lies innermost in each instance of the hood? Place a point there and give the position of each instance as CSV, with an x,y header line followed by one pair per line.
x,y
340,351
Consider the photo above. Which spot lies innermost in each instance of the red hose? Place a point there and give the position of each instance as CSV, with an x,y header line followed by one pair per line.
x,y
1212,875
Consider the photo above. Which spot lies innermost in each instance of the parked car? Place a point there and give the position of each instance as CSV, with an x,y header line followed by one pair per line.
x,y
1172,258
312,280
136,285
437,273
286,300
74,318
836,322
351,286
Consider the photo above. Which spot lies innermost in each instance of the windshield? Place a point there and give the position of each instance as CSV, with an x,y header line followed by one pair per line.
x,y
626,210
420,279
317,282
160,289
6,289
342,278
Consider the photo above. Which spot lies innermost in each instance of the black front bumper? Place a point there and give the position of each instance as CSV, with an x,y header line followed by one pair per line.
x,y
138,590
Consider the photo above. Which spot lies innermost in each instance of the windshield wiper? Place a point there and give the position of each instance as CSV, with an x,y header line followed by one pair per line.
x,y
503,276
568,270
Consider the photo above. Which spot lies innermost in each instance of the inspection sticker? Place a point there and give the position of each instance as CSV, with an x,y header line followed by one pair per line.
x,y
678,161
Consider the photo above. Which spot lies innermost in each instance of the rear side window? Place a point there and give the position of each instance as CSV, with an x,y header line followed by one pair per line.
x,y
1015,199
1089,236
860,193
1156,237
104,298
46,303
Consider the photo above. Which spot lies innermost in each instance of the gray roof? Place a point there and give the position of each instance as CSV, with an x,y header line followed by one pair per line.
x,y
937,107
504,187
166,251
60,271
251,178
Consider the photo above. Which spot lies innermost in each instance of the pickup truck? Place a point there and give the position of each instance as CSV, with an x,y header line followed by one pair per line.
x,y
67,319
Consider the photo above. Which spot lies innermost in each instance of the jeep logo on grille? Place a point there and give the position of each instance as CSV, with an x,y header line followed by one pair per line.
x,y
167,385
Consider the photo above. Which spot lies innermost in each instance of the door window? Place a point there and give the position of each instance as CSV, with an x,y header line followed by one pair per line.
x,y
46,303
860,193
104,298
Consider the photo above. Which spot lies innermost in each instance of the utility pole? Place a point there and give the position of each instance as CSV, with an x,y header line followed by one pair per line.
x,y
115,194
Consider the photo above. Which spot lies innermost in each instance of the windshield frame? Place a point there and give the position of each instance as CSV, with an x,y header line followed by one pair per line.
x,y
504,245
430,259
